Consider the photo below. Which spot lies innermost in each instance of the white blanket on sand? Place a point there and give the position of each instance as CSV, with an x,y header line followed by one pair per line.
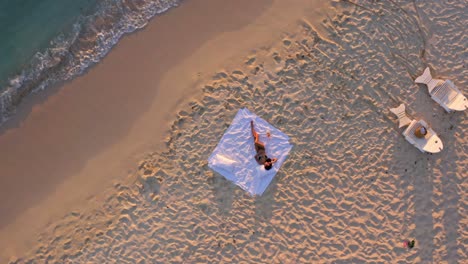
x,y
234,156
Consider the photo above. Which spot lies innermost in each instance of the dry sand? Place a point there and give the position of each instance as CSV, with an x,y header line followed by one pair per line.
x,y
351,190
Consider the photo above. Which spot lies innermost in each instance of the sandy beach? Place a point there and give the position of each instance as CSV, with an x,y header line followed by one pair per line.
x,y
112,166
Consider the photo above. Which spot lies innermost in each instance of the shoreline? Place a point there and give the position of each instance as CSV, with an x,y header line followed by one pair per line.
x,y
83,40
80,138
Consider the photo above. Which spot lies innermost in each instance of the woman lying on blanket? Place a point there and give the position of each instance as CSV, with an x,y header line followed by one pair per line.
x,y
261,156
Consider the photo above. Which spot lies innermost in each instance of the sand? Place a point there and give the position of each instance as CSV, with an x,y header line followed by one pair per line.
x,y
351,191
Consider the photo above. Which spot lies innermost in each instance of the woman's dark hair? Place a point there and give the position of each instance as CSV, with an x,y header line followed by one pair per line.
x,y
269,166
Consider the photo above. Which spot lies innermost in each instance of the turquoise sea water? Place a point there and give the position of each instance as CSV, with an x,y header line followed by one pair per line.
x,y
46,41
27,27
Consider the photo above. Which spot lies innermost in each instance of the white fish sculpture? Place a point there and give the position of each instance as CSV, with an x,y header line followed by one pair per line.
x,y
443,92
418,132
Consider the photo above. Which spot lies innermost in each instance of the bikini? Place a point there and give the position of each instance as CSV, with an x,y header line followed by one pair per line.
x,y
260,149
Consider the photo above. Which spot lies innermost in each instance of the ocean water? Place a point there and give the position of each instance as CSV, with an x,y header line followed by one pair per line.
x,y
28,26
46,41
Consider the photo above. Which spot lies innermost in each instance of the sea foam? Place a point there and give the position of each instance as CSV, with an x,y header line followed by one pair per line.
x,y
70,53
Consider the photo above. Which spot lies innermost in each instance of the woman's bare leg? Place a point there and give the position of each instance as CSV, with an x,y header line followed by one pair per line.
x,y
258,144
254,133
